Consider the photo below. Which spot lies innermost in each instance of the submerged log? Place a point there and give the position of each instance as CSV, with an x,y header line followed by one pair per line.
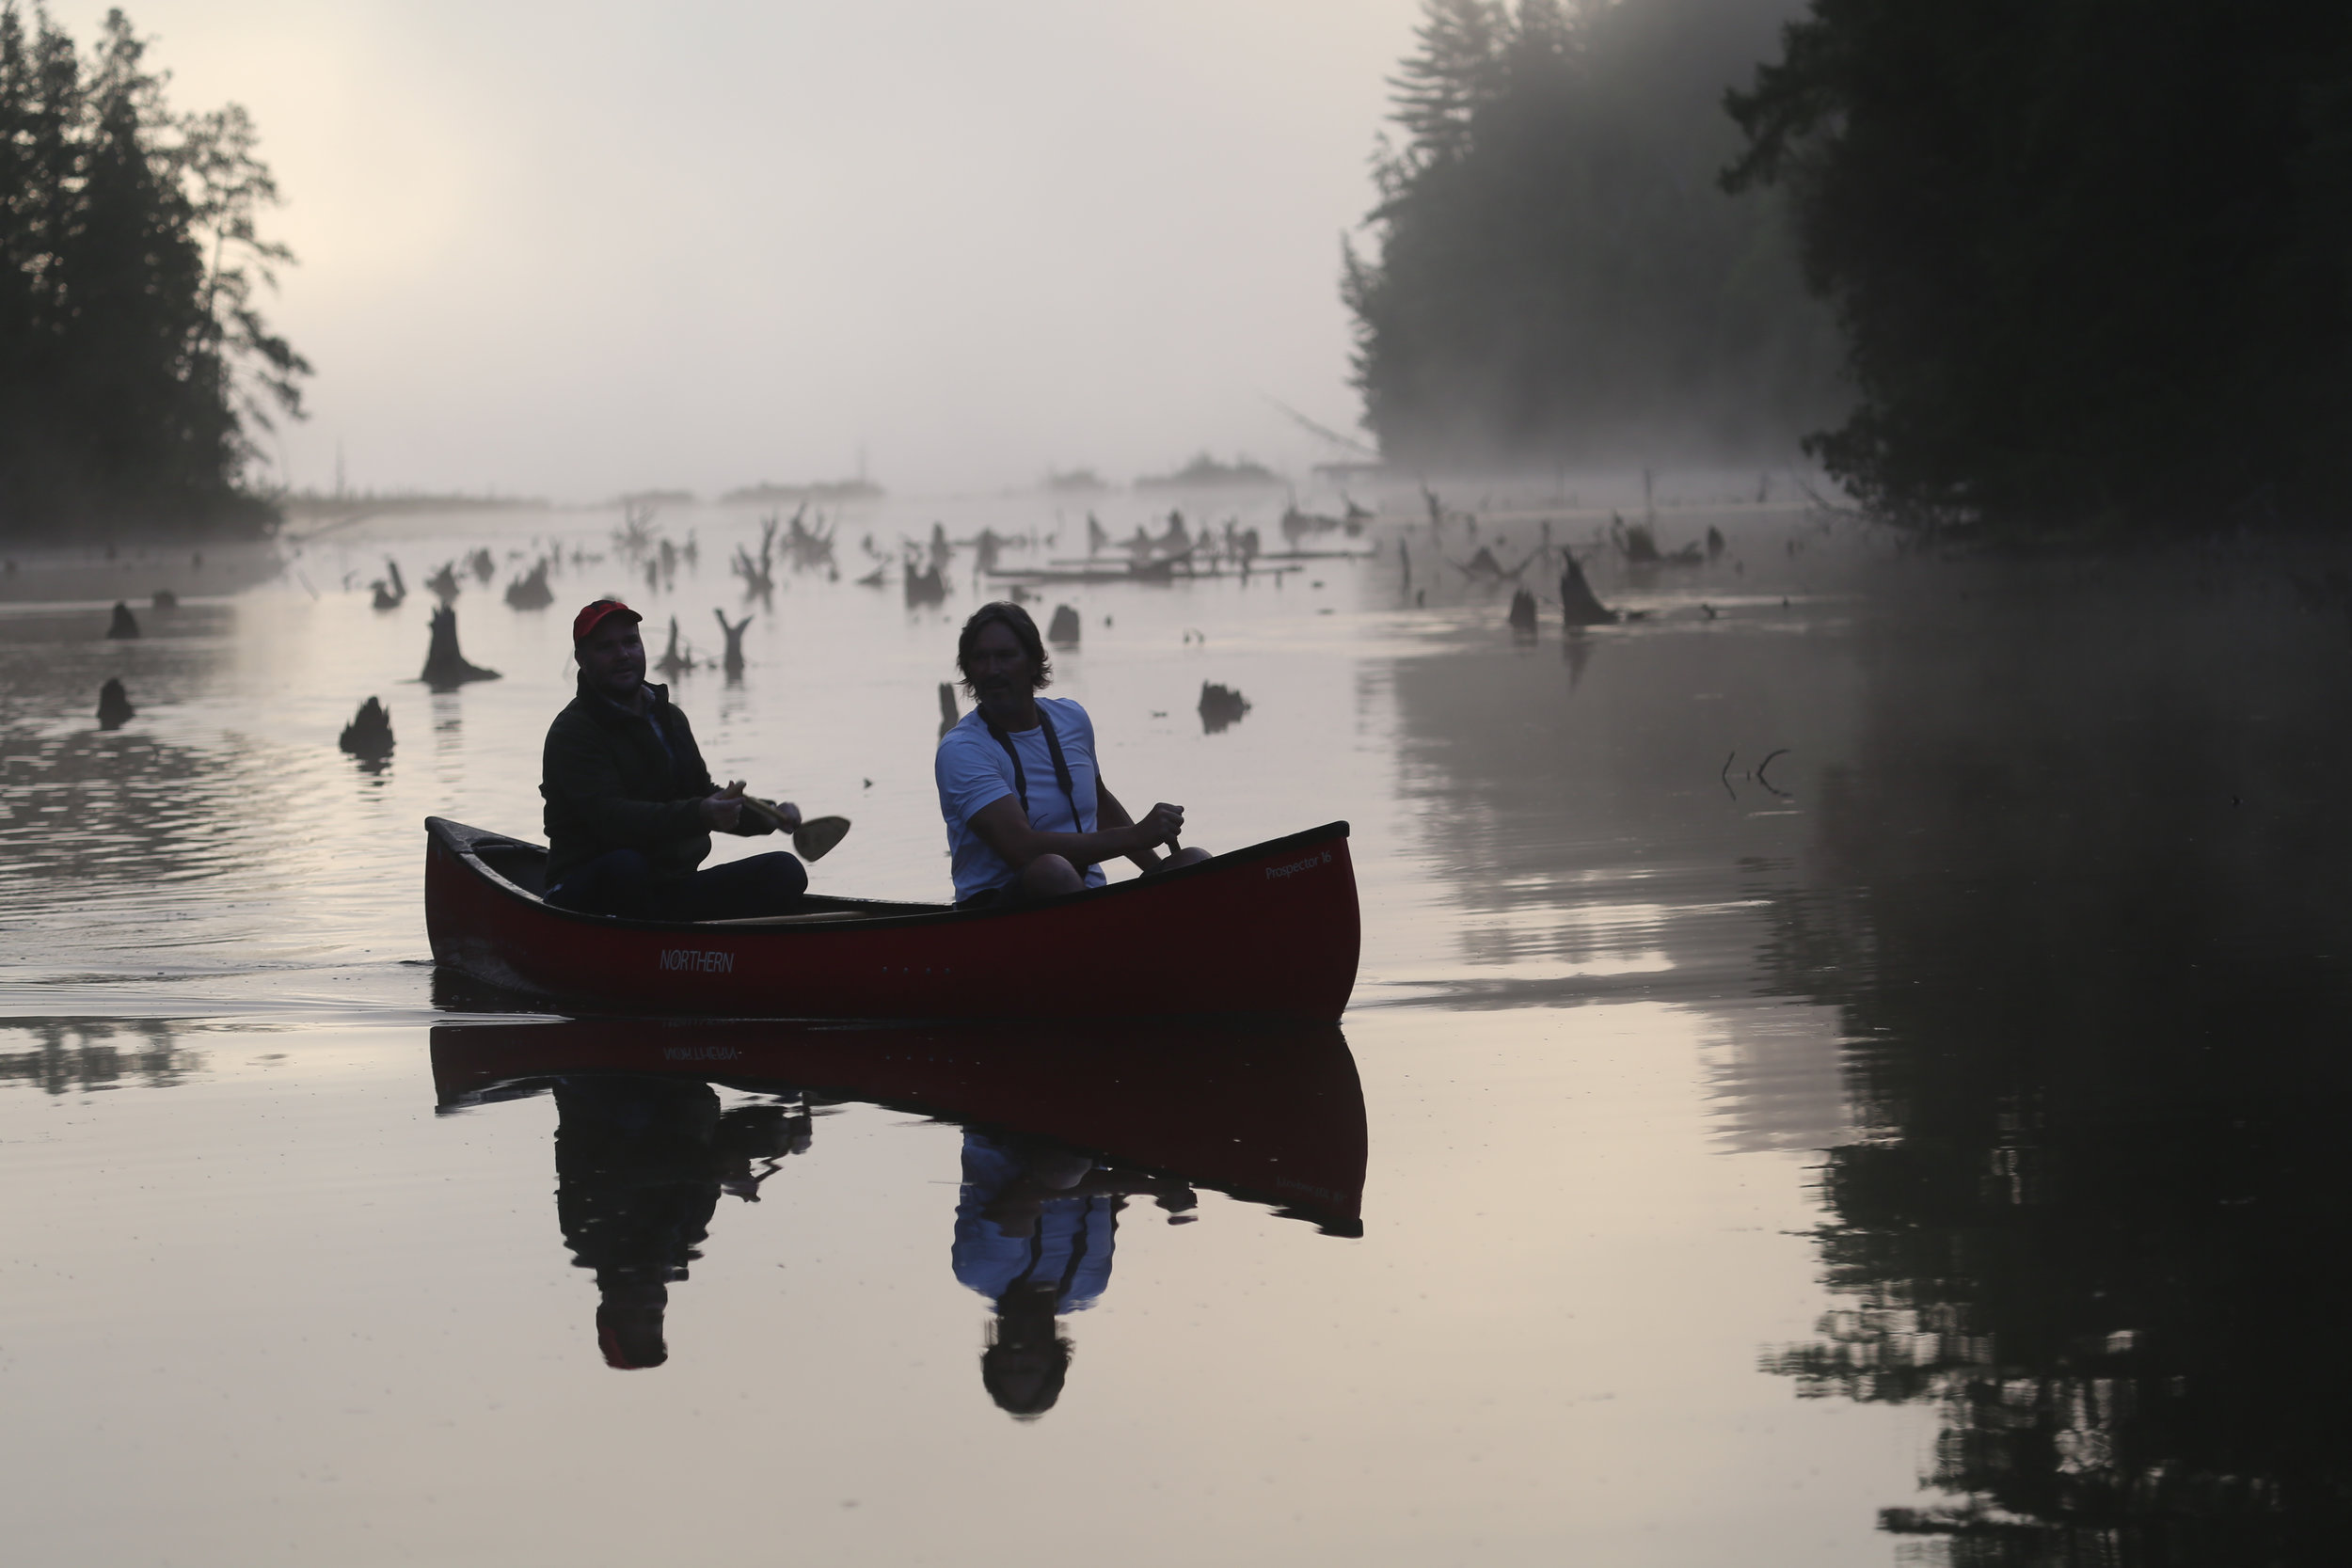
x,y
114,706
1577,607
1063,631
369,736
124,624
445,668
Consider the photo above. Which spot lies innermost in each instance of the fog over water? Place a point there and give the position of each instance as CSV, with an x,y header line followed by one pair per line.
x,y
576,250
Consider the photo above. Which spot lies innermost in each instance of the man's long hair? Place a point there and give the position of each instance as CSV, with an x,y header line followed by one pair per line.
x,y
1015,620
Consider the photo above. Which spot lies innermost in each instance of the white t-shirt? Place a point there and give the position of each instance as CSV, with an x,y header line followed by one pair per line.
x,y
974,773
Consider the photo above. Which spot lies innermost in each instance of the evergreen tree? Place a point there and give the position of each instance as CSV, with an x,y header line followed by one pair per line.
x,y
2091,257
1558,277
133,361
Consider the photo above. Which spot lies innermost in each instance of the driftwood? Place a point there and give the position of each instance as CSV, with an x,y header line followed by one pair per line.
x,y
445,668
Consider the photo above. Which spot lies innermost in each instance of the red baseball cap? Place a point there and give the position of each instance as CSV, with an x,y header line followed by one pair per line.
x,y
588,619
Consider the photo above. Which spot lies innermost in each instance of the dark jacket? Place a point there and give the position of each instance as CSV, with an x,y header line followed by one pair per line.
x,y
610,786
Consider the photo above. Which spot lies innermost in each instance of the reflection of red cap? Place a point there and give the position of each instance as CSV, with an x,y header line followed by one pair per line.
x,y
588,619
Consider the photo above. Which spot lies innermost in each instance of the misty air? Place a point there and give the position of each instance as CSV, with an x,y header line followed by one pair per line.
x,y
1390,781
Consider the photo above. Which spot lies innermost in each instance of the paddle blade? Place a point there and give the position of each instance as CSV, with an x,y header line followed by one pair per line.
x,y
817,836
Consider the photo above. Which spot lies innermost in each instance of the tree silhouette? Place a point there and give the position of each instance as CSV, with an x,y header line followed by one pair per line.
x,y
1558,277
2091,257
134,364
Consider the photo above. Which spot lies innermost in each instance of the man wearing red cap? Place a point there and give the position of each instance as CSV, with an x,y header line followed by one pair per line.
x,y
630,805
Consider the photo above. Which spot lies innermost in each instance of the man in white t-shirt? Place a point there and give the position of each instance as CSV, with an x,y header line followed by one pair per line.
x,y
1028,815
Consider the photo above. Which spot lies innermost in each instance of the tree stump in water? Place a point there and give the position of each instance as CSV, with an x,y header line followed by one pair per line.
x,y
1577,607
124,624
369,736
733,663
1063,632
1522,610
389,588
445,668
925,587
1220,706
114,706
530,589
947,713
166,599
674,662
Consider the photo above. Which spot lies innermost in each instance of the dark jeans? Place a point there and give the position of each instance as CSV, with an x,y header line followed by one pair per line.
x,y
620,883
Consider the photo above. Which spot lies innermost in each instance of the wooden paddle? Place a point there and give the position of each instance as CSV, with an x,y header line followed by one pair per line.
x,y
813,839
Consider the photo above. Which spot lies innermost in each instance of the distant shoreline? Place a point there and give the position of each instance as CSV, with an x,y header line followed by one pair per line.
x,y
58,574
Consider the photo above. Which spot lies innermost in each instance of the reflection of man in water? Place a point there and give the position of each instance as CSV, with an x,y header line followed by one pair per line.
x,y
1035,1226
639,1166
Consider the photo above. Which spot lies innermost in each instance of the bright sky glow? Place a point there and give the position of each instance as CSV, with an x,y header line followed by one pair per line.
x,y
572,250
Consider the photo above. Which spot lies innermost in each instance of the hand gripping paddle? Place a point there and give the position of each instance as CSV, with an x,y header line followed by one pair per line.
x,y
813,839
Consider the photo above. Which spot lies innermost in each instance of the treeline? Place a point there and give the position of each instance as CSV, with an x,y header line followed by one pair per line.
x,y
1558,275
2079,263
134,367
2092,258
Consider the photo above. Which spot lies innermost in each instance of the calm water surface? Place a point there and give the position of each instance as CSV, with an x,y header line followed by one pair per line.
x,y
1924,1147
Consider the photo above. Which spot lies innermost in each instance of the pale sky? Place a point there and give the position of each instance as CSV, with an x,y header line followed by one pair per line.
x,y
572,250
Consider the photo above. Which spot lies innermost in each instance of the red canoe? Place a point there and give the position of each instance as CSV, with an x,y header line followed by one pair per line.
x,y
1274,1113
1268,931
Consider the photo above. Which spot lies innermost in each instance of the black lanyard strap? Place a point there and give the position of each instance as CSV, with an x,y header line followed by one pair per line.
x,y
1061,766
1061,769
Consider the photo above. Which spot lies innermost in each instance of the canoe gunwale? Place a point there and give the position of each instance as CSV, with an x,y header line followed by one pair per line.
x,y
465,843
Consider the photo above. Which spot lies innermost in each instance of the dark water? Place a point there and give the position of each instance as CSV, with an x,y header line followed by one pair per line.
x,y
1919,1145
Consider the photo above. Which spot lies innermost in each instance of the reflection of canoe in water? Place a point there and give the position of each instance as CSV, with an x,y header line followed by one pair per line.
x,y
1275,1114
1267,931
